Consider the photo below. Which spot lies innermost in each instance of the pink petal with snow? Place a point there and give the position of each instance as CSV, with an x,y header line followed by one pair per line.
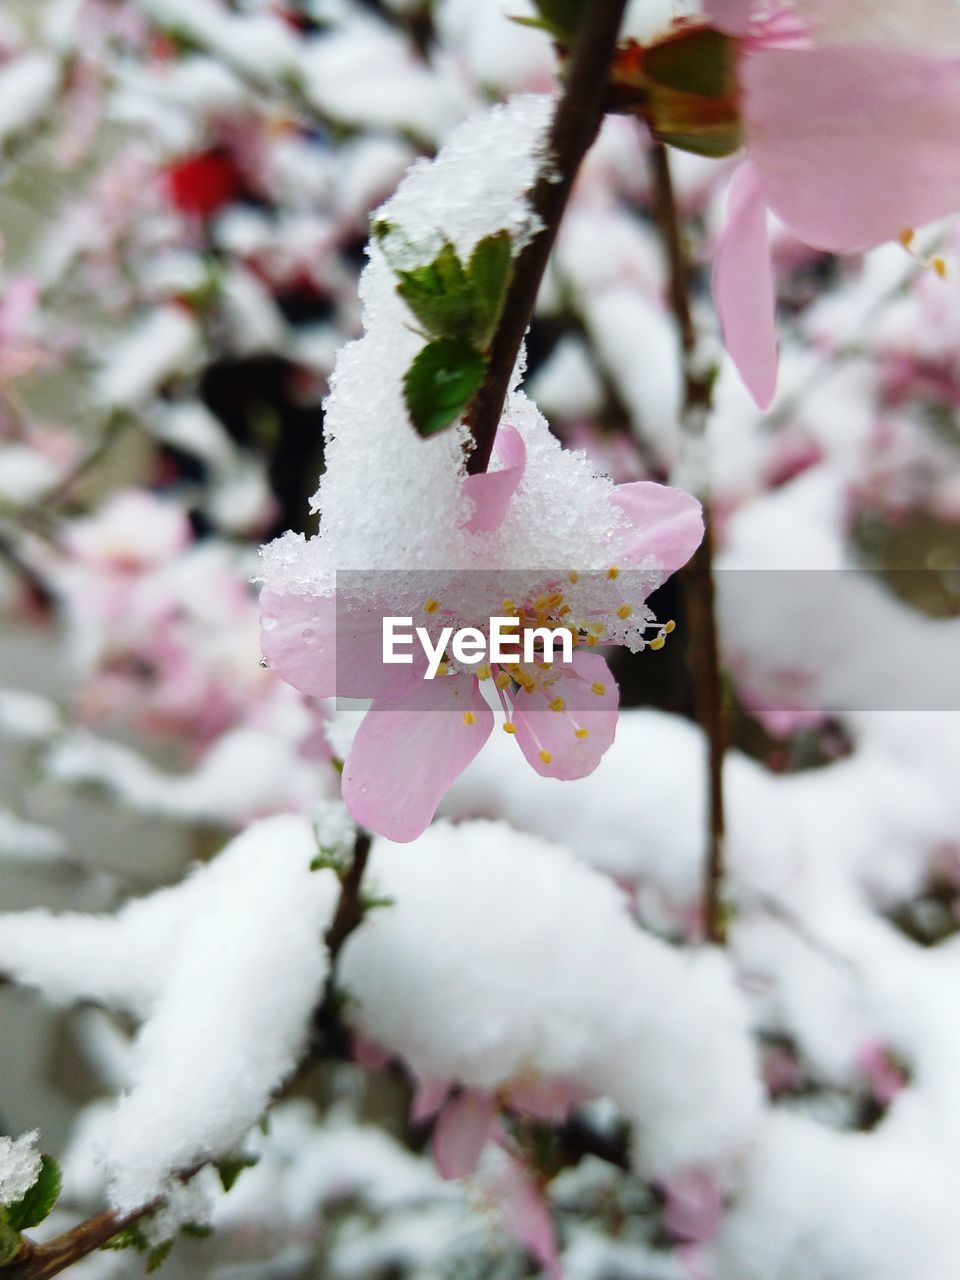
x,y
491,491
743,287
298,638
328,645
853,143
409,749
554,741
730,16
461,1133
667,525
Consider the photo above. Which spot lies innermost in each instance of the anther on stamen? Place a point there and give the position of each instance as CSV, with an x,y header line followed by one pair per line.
x,y
546,757
503,680
483,673
598,688
936,264
573,576
557,704
443,669
613,572
431,605
658,643
582,733
509,726
670,627
469,718
625,611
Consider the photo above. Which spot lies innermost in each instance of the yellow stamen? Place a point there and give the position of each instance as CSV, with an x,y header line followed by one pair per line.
x,y
469,718
557,704
443,669
625,611
431,605
592,640
670,627
483,673
658,643
509,727
940,267
573,576
613,572
546,757
599,689
906,237
562,613
582,733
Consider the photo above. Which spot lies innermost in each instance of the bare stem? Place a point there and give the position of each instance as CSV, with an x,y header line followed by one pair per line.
x,y
575,126
698,576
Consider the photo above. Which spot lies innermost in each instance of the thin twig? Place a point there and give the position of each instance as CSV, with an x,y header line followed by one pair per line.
x,y
698,576
40,1261
349,910
575,126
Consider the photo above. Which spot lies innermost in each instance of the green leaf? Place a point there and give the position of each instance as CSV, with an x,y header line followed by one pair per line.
x,y
39,1200
10,1240
158,1255
701,62
441,297
231,1167
130,1237
440,383
197,1230
488,272
562,17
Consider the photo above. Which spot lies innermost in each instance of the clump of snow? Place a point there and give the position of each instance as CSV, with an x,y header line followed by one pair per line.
x,y
224,970
27,85
546,976
165,342
19,1166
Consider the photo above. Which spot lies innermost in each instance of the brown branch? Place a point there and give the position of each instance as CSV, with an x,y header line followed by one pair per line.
x,y
575,126
698,576
349,910
39,1261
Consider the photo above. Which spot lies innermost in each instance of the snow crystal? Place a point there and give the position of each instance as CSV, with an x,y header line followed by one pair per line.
x,y
545,975
19,1166
228,965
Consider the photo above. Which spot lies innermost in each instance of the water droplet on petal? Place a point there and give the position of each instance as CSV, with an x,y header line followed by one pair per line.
x,y
309,635
268,622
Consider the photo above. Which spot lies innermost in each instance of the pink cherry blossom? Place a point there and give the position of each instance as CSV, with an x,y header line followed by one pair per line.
x,y
419,735
849,144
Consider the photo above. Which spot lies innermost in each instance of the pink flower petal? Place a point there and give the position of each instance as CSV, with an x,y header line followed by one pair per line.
x,y
853,144
429,1097
461,1133
409,749
730,16
491,492
526,1215
743,288
694,1206
553,742
667,525
328,646
298,638
368,1054
545,1099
